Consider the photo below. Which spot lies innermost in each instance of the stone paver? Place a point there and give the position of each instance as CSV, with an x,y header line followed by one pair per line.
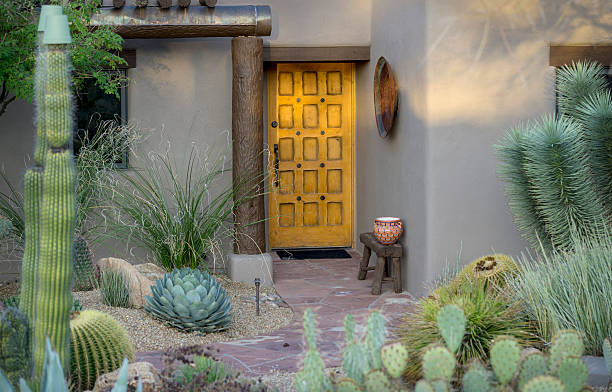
x,y
331,289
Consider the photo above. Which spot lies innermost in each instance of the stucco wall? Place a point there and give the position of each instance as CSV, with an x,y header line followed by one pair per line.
x,y
467,70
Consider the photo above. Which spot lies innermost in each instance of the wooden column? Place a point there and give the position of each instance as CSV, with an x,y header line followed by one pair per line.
x,y
247,139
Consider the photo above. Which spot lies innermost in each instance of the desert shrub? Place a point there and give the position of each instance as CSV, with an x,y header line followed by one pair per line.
x,y
194,368
570,290
489,314
114,289
175,213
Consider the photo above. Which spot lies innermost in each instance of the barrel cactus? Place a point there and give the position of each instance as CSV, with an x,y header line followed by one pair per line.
x,y
84,269
491,269
98,345
190,300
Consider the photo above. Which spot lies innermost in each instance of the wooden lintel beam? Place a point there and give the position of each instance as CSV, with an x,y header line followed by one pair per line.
x,y
320,53
566,54
176,22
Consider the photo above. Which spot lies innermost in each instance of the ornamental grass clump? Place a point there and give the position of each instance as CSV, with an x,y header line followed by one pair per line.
x,y
177,214
488,315
570,290
114,289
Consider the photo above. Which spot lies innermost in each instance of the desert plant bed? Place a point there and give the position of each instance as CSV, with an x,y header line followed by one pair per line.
x,y
148,334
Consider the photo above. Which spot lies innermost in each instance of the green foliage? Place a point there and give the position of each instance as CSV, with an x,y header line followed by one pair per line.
x,y
6,226
557,170
83,266
570,290
204,370
567,372
98,345
488,315
190,300
95,163
91,51
366,372
179,215
15,356
53,376
114,289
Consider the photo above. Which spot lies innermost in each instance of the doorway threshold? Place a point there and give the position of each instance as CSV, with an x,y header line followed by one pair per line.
x,y
313,253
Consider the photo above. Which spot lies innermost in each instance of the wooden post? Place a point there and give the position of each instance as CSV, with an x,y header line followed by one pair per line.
x,y
247,139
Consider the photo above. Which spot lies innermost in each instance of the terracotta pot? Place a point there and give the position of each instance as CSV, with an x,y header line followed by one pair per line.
x,y
388,230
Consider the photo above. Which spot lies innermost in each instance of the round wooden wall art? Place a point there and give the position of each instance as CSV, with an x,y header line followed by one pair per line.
x,y
385,97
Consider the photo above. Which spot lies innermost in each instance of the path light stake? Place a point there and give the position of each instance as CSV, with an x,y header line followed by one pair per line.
x,y
257,283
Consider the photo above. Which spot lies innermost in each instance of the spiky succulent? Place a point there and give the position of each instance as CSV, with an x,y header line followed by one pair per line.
x,y
190,300
5,227
82,261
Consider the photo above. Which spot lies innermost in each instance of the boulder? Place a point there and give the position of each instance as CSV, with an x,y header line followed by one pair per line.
x,y
151,271
138,284
144,371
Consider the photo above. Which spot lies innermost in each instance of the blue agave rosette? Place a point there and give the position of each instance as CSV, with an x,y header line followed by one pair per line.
x,y
190,300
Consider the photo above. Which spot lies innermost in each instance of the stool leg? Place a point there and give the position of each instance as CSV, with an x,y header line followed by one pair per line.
x,y
397,275
365,260
378,276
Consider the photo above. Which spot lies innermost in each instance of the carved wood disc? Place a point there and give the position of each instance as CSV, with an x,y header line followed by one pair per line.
x,y
385,97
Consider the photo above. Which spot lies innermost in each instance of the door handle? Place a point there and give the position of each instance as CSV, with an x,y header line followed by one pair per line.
x,y
276,163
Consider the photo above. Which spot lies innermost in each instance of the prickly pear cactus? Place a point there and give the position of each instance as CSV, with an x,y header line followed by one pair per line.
x,y
312,377
394,358
451,323
544,384
423,386
476,379
573,373
377,381
505,358
566,343
347,385
438,364
534,365
375,338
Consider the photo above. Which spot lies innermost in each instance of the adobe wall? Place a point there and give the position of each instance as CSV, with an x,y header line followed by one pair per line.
x,y
466,75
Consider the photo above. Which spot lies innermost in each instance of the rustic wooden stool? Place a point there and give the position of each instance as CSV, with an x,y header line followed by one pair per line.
x,y
388,256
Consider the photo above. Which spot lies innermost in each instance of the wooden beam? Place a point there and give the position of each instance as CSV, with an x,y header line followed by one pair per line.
x,y
566,54
319,53
129,55
176,22
247,144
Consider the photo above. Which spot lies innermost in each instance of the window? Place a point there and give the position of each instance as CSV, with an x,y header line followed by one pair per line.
x,y
94,107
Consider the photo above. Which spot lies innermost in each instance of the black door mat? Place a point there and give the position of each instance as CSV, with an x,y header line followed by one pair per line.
x,y
302,254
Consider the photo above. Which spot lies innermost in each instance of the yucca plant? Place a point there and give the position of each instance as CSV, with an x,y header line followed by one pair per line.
x,y
558,170
570,290
176,214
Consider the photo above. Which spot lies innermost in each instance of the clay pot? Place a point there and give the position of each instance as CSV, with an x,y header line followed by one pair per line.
x,y
388,230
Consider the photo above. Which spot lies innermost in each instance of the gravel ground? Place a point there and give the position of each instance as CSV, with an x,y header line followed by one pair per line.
x,y
148,334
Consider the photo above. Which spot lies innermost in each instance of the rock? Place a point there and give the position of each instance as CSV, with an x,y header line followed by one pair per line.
x,y
144,371
138,284
151,271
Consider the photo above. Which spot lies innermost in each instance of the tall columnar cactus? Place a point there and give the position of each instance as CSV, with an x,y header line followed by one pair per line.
x,y
84,268
33,179
99,344
58,205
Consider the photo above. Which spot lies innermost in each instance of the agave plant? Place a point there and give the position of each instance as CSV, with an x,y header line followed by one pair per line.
x,y
190,300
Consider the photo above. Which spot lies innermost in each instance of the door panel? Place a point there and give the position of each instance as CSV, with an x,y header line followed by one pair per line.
x,y
310,134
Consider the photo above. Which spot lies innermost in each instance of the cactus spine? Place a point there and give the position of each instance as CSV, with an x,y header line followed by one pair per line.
x,y
58,205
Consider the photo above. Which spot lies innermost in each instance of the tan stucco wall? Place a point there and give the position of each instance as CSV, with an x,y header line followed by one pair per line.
x,y
467,71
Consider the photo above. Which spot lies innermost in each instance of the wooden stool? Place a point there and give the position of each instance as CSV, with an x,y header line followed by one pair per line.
x,y
388,256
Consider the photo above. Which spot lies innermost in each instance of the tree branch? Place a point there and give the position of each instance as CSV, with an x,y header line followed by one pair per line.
x,y
3,98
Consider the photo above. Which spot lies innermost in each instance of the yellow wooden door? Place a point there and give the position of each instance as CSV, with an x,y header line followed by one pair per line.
x,y
310,136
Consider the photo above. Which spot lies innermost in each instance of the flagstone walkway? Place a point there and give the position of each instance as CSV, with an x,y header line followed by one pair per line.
x,y
331,289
